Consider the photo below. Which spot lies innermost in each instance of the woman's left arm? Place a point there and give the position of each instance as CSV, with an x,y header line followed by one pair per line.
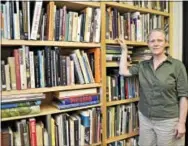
x,y
180,129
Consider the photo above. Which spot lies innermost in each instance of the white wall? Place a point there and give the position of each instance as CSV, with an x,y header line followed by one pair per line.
x,y
177,30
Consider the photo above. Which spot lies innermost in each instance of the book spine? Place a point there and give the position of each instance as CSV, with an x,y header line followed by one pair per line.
x,y
17,68
59,106
36,18
48,66
3,78
81,99
21,104
7,77
11,61
20,111
32,69
27,63
32,131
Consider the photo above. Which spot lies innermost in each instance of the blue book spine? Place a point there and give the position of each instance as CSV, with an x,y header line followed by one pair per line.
x,y
82,99
62,106
14,105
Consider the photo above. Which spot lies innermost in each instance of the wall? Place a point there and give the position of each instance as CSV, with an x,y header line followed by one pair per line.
x,y
177,30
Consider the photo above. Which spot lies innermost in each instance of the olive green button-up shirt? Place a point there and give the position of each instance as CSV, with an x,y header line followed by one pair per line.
x,y
161,89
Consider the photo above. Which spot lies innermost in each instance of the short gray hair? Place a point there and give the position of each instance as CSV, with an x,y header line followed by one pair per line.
x,y
158,30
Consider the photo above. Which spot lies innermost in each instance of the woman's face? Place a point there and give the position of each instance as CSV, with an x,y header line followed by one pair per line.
x,y
157,43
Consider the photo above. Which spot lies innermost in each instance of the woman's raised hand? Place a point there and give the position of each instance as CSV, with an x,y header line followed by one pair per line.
x,y
122,44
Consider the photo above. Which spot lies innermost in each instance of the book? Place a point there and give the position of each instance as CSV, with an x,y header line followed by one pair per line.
x,y
20,104
79,99
20,111
61,106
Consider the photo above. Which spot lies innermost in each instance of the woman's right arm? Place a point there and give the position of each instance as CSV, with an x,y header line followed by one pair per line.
x,y
123,66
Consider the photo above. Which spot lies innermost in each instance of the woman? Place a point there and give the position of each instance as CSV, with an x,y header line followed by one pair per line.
x,y
163,94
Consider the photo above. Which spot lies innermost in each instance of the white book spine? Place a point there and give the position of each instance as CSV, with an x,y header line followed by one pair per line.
x,y
8,19
78,54
36,18
75,26
32,73
23,68
5,22
15,25
7,77
28,19
79,27
72,72
88,24
98,26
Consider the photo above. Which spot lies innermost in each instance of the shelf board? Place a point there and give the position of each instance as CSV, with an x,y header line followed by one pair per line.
x,y
121,137
48,43
50,89
133,43
111,103
47,110
77,5
96,144
114,64
126,7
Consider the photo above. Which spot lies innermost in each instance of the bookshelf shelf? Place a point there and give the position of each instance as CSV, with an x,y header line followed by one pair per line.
x,y
111,103
124,136
47,110
96,144
133,43
48,43
51,89
78,5
114,64
126,7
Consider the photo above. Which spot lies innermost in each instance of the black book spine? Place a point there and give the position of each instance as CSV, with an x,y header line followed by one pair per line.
x,y
57,22
36,65
64,66
48,66
57,60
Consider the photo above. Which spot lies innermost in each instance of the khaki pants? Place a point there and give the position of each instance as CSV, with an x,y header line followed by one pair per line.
x,y
158,133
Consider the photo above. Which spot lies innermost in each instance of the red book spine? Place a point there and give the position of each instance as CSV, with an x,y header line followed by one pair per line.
x,y
17,69
32,132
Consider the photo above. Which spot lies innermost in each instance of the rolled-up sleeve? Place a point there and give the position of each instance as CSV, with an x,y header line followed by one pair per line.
x,y
134,69
182,82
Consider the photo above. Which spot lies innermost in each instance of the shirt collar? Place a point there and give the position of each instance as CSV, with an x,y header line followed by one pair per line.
x,y
169,59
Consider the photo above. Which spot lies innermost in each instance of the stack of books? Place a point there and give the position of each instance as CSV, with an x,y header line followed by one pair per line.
x,y
76,98
19,105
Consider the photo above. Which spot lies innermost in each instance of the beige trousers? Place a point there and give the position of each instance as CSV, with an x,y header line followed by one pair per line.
x,y
158,133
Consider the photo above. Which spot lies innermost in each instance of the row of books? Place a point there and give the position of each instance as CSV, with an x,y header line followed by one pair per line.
x,y
50,23
113,53
76,98
122,119
49,67
132,26
156,5
19,105
82,128
127,142
119,87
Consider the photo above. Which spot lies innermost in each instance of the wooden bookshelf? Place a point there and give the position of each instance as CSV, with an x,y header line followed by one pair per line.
x,y
49,43
104,104
121,137
73,5
134,43
47,110
130,8
125,101
51,89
